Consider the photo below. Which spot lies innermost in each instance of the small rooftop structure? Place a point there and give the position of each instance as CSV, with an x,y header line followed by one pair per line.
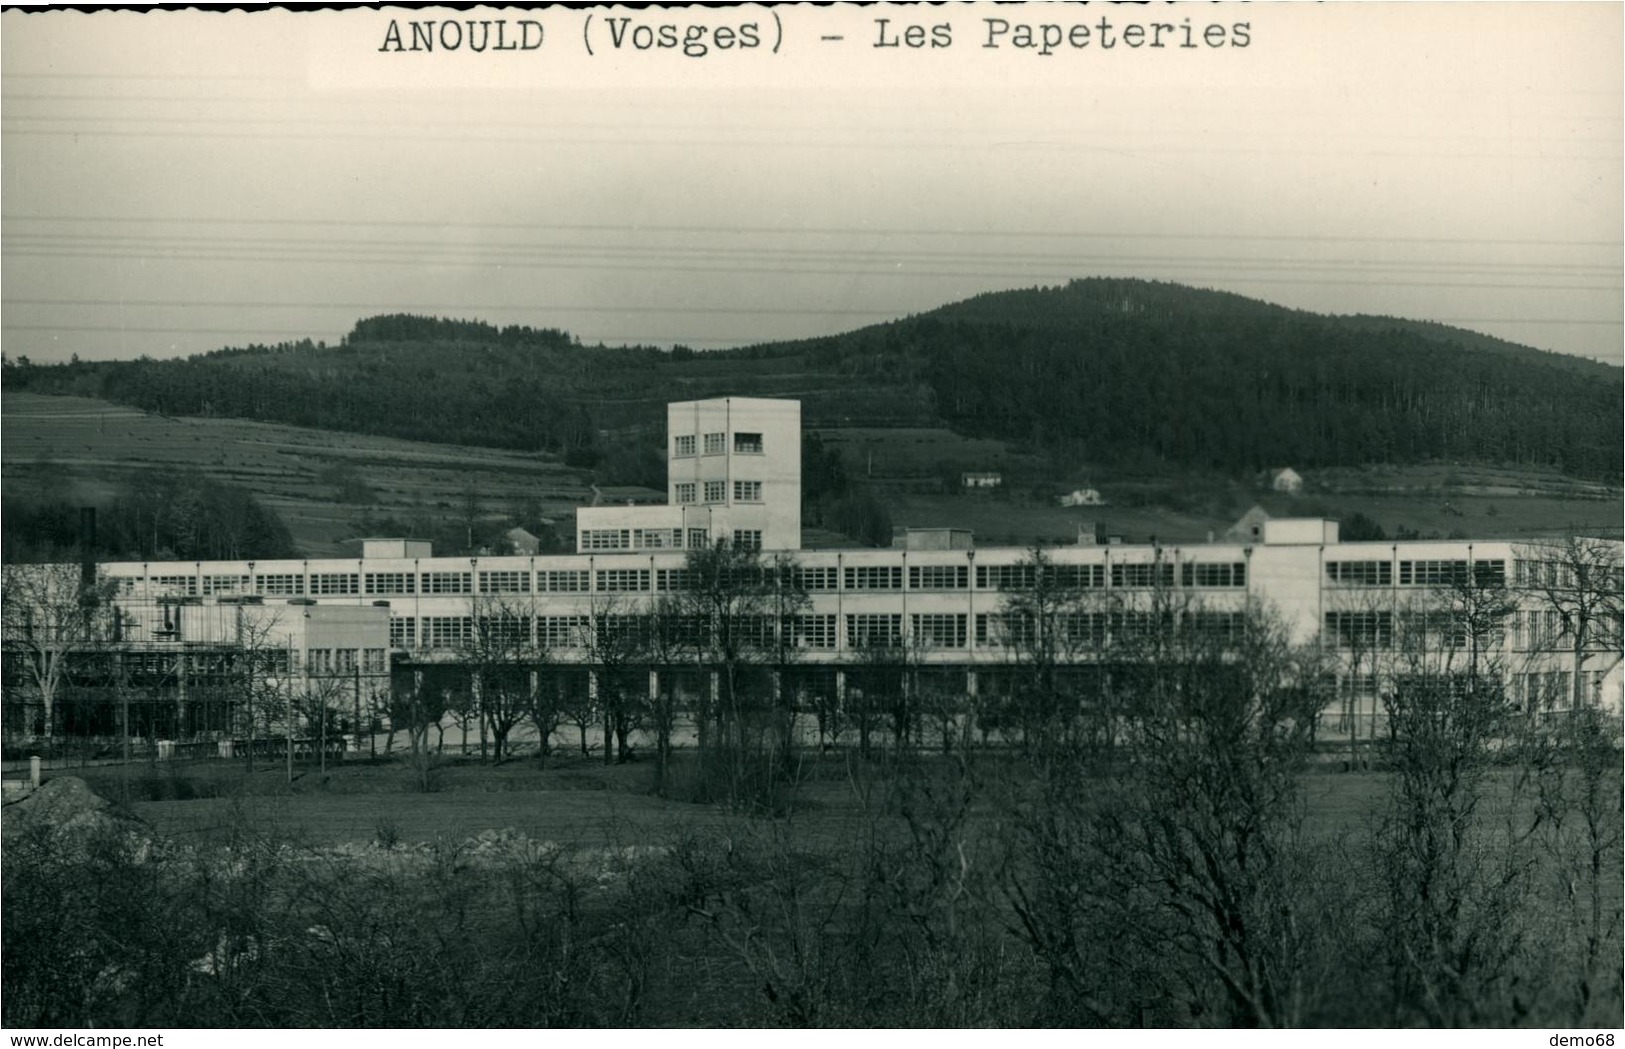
x,y
396,548
981,479
934,539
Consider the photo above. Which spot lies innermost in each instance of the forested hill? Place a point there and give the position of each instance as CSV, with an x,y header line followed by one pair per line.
x,y
1113,370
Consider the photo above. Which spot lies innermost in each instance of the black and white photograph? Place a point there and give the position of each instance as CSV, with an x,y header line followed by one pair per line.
x,y
933,516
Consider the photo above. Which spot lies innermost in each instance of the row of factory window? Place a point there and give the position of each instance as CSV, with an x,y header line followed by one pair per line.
x,y
1127,575
663,538
683,445
1418,573
928,631
717,492
338,661
1532,629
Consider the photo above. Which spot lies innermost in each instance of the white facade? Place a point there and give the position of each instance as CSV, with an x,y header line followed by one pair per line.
x,y
947,603
733,472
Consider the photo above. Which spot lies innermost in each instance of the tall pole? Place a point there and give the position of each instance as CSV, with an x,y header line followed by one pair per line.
x,y
290,709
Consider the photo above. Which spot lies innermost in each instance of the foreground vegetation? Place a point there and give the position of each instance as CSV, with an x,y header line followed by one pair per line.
x,y
966,890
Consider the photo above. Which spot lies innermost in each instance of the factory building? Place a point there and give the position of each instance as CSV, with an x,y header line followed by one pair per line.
x,y
735,477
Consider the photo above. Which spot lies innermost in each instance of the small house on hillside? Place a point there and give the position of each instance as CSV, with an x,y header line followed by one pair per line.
x,y
1286,480
1083,497
984,479
523,542
1250,527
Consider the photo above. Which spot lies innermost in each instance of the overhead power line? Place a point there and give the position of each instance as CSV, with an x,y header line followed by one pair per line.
x,y
635,228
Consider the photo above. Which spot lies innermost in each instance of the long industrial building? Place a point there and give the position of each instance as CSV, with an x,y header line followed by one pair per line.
x,y
734,476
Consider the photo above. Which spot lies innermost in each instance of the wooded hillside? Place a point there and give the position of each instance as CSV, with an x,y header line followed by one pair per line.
x,y
1115,370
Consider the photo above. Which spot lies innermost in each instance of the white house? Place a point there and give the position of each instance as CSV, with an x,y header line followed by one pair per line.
x,y
1286,480
981,479
1083,497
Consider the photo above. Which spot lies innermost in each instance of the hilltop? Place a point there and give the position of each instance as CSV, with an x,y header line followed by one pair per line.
x,y
1120,371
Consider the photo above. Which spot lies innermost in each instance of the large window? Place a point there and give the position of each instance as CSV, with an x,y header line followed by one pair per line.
x,y
1360,573
685,492
225,584
568,582
1004,577
716,491
392,583
447,631
1224,574
280,585
874,631
748,538
176,584
335,583
623,580
1144,574
874,577
606,539
1360,630
716,443
747,491
938,577
683,444
1077,576
403,632
448,582
816,579
657,538
815,631
507,582
939,630
562,631
748,443
1432,573
1490,573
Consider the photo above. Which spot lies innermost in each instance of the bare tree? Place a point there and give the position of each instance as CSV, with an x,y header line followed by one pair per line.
x,y
1579,579
51,615
673,640
416,705
1178,877
503,657
618,652
1049,620
1454,880
745,607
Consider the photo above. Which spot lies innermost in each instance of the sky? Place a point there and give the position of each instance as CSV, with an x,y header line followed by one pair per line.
x,y
177,181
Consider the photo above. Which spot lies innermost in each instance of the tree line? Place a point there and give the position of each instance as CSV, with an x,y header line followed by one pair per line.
x,y
171,516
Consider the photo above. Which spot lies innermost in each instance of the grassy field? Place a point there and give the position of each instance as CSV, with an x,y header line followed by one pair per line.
x,y
78,447
570,799
83,444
